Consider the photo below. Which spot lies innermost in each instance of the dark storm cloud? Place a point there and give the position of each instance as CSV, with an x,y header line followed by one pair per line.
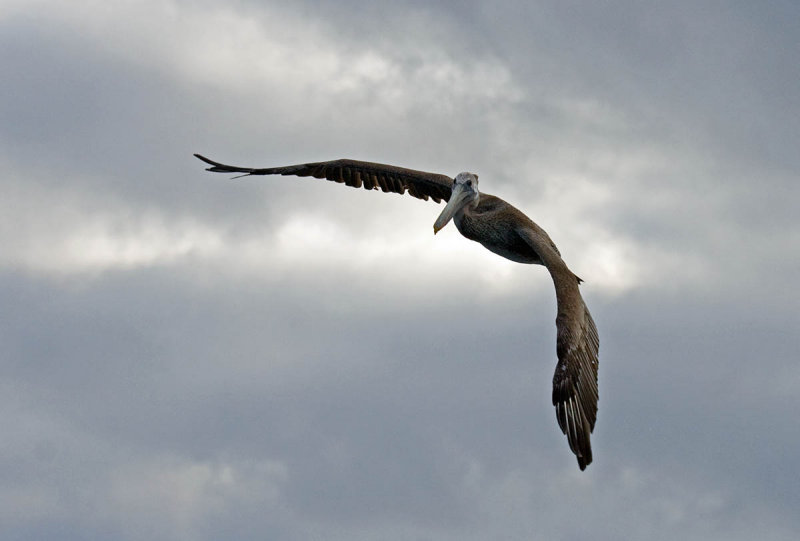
x,y
393,426
186,357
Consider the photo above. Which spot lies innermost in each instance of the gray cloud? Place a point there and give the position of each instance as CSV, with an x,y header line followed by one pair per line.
x,y
187,357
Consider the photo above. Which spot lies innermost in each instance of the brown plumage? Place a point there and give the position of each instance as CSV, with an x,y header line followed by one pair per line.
x,y
506,231
367,175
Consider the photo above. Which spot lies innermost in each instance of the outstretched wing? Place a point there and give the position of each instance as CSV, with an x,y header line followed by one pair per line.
x,y
370,176
575,382
577,344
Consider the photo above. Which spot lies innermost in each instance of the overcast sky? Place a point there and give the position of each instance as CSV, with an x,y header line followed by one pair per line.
x,y
187,357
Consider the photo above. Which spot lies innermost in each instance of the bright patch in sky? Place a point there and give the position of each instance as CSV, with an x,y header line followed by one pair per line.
x,y
106,243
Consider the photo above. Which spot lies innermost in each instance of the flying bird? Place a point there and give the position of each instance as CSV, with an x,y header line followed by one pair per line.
x,y
506,231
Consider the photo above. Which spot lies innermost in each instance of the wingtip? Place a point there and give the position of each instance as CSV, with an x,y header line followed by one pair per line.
x,y
203,158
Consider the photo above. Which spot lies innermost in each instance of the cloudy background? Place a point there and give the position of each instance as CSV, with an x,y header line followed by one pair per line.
x,y
185,357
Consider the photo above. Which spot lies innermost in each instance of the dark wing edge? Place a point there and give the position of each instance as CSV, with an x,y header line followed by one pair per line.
x,y
575,392
367,175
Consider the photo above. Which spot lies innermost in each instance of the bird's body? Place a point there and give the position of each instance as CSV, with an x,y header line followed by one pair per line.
x,y
506,231
495,224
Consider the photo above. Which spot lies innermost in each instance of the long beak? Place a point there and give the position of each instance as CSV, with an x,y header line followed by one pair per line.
x,y
458,198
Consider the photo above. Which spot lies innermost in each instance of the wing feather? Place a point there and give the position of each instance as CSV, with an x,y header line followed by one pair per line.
x,y
367,175
575,393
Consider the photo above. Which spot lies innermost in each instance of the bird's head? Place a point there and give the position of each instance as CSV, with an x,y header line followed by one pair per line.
x,y
464,193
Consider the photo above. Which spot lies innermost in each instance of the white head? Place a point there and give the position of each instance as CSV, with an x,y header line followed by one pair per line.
x,y
470,179
465,192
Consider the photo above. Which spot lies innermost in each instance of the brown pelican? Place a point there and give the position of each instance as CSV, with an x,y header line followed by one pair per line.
x,y
507,232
